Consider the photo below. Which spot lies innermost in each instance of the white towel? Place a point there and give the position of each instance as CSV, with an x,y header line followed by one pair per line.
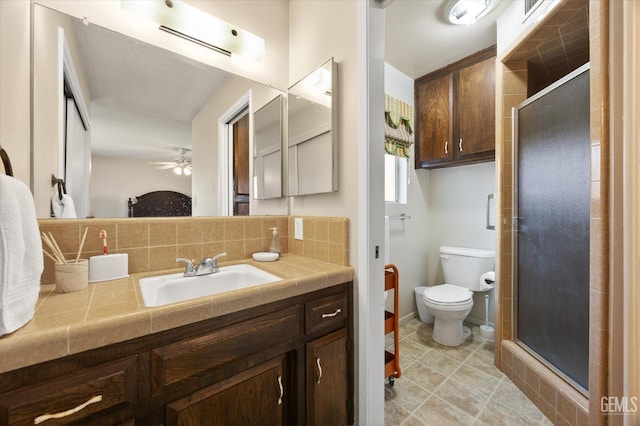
x,y
21,258
63,209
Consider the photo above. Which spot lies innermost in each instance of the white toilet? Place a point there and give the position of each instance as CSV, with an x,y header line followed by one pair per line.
x,y
450,303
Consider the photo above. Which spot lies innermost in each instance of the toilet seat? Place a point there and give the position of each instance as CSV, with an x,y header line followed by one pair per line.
x,y
447,295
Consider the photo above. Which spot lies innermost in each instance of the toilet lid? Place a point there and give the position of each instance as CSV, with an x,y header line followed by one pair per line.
x,y
447,293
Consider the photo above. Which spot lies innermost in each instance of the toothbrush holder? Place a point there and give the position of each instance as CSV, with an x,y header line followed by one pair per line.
x,y
72,276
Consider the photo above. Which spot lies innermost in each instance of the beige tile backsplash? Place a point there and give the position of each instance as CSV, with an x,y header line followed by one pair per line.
x,y
154,243
325,239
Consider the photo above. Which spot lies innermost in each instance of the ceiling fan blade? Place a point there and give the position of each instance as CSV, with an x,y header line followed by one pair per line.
x,y
166,166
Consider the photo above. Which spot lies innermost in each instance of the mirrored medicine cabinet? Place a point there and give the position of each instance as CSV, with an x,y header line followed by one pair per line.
x,y
312,132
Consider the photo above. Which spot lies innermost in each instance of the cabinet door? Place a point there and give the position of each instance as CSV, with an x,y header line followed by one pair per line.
x,y
434,127
476,109
327,380
257,396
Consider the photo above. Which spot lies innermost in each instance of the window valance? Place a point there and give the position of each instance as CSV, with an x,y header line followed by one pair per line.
x,y
398,133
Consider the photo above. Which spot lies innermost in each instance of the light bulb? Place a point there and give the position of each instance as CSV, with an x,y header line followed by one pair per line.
x,y
187,171
177,170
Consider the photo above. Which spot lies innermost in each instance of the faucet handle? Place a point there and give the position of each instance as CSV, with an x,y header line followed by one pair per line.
x,y
215,258
188,268
214,262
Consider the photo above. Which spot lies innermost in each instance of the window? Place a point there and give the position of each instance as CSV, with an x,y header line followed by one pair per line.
x,y
395,179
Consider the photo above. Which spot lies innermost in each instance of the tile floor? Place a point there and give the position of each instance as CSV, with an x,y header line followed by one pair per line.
x,y
442,386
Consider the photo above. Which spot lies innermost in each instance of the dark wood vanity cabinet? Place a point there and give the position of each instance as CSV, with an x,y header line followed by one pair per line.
x,y
327,380
71,392
257,366
455,113
252,397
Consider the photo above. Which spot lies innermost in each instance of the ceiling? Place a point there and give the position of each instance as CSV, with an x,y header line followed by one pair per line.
x,y
143,98
132,83
418,40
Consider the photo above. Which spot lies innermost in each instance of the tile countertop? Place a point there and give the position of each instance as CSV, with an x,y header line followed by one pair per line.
x,y
112,311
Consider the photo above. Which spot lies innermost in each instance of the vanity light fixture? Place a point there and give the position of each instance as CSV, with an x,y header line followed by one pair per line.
x,y
467,12
190,23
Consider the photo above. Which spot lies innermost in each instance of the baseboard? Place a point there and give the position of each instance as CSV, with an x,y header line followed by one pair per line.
x,y
405,319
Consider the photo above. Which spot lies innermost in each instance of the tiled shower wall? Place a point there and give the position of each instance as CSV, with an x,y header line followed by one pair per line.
x,y
154,243
560,402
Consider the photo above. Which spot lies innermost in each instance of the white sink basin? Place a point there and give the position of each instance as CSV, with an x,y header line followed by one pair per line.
x,y
165,289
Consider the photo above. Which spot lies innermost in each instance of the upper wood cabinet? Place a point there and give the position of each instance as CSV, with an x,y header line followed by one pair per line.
x,y
455,113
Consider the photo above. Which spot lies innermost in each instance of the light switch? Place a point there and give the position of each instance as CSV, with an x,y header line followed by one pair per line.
x,y
297,231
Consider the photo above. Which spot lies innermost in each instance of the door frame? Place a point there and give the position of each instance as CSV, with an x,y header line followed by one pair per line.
x,y
225,153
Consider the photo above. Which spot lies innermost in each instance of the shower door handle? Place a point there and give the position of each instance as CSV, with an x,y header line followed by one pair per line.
x,y
516,223
489,198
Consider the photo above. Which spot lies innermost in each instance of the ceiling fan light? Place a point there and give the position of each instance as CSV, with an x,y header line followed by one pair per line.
x,y
187,171
177,170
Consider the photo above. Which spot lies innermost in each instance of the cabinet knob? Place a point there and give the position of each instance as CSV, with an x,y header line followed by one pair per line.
x,y
281,390
319,370
446,147
460,145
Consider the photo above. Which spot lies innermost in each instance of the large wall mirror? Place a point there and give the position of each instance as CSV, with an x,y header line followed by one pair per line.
x,y
150,119
312,132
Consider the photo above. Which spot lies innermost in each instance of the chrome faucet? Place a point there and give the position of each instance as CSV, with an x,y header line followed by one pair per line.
x,y
205,267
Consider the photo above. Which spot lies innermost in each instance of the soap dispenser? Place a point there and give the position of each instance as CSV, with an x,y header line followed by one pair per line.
x,y
275,244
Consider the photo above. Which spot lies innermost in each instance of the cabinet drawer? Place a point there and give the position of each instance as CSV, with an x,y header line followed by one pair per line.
x,y
326,313
192,357
75,397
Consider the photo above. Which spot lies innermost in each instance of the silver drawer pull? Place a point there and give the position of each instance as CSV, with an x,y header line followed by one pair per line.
x,y
319,370
281,390
45,417
332,314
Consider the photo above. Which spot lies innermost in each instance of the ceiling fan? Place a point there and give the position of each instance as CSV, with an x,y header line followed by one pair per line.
x,y
180,165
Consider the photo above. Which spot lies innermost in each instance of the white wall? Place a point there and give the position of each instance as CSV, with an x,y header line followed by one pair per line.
x,y
15,101
118,179
457,217
311,43
408,239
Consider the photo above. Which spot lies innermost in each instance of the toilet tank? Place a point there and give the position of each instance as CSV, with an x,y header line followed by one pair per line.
x,y
464,266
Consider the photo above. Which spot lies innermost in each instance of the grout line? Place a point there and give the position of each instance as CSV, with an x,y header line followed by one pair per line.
x,y
473,352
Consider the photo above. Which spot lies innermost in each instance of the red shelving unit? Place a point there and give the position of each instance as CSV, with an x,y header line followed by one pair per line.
x,y
392,360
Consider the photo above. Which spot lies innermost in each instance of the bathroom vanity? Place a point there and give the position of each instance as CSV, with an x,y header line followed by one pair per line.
x,y
286,361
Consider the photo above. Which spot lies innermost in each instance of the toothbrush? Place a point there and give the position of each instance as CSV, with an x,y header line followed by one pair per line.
x,y
103,236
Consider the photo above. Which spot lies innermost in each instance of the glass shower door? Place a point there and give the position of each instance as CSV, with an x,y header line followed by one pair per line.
x,y
552,163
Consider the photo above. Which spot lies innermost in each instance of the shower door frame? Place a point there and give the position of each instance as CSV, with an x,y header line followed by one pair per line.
x,y
515,224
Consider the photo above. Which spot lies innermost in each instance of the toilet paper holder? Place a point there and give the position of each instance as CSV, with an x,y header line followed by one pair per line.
x,y
488,280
